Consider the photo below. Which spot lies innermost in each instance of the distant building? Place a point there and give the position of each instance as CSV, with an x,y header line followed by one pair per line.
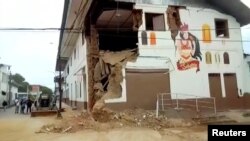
x,y
22,95
7,91
35,90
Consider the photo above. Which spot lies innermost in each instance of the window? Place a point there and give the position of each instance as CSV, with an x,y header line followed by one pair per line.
x,y
67,69
206,33
3,93
155,22
208,58
217,58
144,38
70,61
226,58
78,50
152,38
76,90
75,53
83,37
221,28
67,93
80,86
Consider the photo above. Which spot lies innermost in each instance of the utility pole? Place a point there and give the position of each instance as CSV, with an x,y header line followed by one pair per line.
x,y
59,115
10,93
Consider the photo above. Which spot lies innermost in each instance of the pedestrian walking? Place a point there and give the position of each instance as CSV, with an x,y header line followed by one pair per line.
x,y
22,106
4,104
17,105
29,104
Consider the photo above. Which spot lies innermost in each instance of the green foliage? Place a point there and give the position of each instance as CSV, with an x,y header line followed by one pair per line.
x,y
24,85
46,90
20,80
32,97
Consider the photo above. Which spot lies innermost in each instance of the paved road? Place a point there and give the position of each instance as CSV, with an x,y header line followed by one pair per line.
x,y
10,113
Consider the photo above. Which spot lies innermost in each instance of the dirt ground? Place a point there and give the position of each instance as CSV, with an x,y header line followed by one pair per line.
x,y
130,125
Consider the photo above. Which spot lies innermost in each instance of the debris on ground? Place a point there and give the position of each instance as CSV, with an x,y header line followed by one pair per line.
x,y
246,114
109,120
216,119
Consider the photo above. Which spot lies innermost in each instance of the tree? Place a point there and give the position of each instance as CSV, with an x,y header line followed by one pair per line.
x,y
46,90
20,81
24,85
18,78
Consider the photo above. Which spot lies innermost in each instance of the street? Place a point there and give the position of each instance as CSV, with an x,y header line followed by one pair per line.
x,y
10,113
19,127
22,127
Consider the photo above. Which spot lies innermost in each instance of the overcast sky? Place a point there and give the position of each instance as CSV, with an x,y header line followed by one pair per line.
x,y
33,54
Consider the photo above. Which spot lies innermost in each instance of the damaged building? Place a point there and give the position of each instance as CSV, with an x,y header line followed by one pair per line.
x,y
122,53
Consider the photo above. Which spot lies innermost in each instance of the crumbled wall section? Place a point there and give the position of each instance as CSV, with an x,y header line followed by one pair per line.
x,y
173,20
137,19
92,59
105,66
110,66
104,72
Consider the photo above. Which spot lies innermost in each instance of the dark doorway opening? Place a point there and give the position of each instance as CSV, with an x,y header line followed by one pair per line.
x,y
117,40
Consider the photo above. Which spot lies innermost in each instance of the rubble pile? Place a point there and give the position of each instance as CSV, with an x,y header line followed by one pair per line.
x,y
108,78
147,119
128,118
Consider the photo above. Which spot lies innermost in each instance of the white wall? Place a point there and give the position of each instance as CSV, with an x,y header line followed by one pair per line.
x,y
246,74
4,78
74,79
158,56
188,81
14,91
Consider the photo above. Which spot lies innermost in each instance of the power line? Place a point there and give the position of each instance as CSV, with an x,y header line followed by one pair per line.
x,y
33,29
163,38
78,30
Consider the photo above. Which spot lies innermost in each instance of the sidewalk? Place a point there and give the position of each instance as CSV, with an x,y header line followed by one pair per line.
x,y
64,105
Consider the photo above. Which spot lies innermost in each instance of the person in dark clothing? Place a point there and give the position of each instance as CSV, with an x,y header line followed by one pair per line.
x,y
4,104
29,104
22,106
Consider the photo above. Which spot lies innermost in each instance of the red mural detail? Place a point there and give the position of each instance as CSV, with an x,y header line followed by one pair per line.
x,y
189,50
189,65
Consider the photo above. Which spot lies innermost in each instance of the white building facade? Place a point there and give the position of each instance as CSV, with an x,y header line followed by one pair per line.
x,y
185,48
4,84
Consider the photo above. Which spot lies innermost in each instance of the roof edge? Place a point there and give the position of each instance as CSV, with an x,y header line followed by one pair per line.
x,y
64,17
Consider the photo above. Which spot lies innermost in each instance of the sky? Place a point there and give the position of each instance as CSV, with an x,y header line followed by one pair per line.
x,y
33,53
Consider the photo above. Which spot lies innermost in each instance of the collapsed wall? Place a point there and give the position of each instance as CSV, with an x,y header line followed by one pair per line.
x,y
108,51
109,68
173,20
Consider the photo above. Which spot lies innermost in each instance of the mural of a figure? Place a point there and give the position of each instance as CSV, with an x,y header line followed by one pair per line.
x,y
188,48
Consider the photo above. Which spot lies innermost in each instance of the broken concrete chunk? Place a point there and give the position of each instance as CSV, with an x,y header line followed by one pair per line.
x,y
117,57
102,67
107,69
99,105
97,72
137,19
67,129
98,86
173,20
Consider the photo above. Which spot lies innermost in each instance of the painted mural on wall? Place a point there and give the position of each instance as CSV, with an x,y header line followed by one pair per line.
x,y
188,48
